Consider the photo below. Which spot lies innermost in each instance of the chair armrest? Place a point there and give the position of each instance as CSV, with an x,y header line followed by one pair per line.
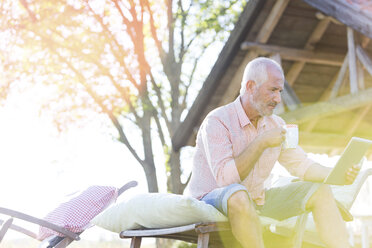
x,y
40,222
127,186
5,228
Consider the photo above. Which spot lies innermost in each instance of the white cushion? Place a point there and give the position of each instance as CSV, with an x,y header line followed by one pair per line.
x,y
156,210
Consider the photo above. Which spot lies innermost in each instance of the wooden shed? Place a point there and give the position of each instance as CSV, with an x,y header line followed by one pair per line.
x,y
325,50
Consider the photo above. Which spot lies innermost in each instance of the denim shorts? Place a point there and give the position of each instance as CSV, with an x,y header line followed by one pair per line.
x,y
218,197
280,202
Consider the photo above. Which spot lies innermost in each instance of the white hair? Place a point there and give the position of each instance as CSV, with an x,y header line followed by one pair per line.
x,y
256,70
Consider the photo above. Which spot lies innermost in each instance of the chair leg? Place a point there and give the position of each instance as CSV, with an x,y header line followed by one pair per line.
x,y
136,242
5,228
203,240
300,230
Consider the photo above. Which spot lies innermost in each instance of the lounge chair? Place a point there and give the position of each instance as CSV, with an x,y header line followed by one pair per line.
x,y
294,231
61,236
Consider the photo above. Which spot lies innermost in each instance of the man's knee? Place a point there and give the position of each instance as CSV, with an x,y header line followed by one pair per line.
x,y
321,196
240,203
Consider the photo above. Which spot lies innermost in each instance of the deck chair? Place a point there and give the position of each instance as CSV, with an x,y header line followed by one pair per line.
x,y
294,231
58,236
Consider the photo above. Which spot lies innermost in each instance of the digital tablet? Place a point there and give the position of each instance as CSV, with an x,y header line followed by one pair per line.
x,y
353,154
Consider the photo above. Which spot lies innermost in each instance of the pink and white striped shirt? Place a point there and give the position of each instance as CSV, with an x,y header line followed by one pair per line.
x,y
223,135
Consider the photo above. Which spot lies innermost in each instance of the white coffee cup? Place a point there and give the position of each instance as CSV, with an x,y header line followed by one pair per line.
x,y
291,136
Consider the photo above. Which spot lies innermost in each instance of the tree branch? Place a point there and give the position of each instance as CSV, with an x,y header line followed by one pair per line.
x,y
170,29
122,137
30,13
158,44
99,102
109,37
191,78
161,103
103,69
125,20
183,21
160,129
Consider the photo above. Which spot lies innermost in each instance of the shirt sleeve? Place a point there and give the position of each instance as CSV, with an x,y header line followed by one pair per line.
x,y
219,152
295,161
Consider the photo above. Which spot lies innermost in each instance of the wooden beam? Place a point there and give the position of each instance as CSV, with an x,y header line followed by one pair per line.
x,y
324,109
340,77
271,21
315,36
296,54
344,12
322,140
354,123
352,61
262,37
330,92
332,89
360,72
364,59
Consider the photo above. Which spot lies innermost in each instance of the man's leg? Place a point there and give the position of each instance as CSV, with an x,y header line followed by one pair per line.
x,y
244,220
327,217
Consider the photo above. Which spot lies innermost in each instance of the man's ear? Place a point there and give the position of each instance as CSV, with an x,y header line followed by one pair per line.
x,y
250,85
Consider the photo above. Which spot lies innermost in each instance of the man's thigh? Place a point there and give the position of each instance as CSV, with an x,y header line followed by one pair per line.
x,y
287,201
219,197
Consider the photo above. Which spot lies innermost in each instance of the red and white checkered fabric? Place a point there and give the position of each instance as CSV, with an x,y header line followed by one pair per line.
x,y
76,213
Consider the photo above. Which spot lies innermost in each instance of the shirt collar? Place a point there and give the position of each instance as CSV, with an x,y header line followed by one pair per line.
x,y
242,116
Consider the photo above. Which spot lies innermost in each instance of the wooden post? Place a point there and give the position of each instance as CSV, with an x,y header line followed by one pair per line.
x,y
352,61
203,240
360,76
364,59
340,77
135,242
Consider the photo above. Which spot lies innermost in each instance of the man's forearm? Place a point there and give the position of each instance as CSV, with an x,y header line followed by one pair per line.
x,y
246,160
317,173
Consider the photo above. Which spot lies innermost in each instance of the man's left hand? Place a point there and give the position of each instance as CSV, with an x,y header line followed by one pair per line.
x,y
352,173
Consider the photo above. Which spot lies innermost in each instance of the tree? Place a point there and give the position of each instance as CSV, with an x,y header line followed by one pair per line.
x,y
131,61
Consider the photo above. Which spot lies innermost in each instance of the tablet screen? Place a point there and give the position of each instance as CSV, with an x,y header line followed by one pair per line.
x,y
352,155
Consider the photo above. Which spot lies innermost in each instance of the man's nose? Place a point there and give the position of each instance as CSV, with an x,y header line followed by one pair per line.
x,y
278,97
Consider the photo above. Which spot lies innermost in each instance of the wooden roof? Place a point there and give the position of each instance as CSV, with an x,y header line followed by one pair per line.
x,y
325,52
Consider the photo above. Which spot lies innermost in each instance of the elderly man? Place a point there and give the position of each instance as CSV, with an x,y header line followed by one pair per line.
x,y
236,148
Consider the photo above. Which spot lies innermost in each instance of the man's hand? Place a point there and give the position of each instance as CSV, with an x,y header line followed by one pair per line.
x,y
273,137
352,173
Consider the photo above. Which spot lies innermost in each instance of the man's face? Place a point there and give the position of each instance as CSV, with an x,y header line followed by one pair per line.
x,y
266,96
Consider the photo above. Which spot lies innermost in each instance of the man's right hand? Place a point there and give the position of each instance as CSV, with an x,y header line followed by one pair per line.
x,y
273,137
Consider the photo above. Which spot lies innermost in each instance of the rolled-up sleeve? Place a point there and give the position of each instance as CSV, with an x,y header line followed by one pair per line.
x,y
218,150
295,161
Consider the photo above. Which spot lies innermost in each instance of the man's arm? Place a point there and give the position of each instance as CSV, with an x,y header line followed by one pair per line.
x,y
246,160
318,173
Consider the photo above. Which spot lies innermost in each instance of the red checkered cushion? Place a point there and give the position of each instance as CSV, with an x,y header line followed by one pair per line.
x,y
76,213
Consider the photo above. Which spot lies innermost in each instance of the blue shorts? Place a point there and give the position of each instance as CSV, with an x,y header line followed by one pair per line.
x,y
218,197
280,202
